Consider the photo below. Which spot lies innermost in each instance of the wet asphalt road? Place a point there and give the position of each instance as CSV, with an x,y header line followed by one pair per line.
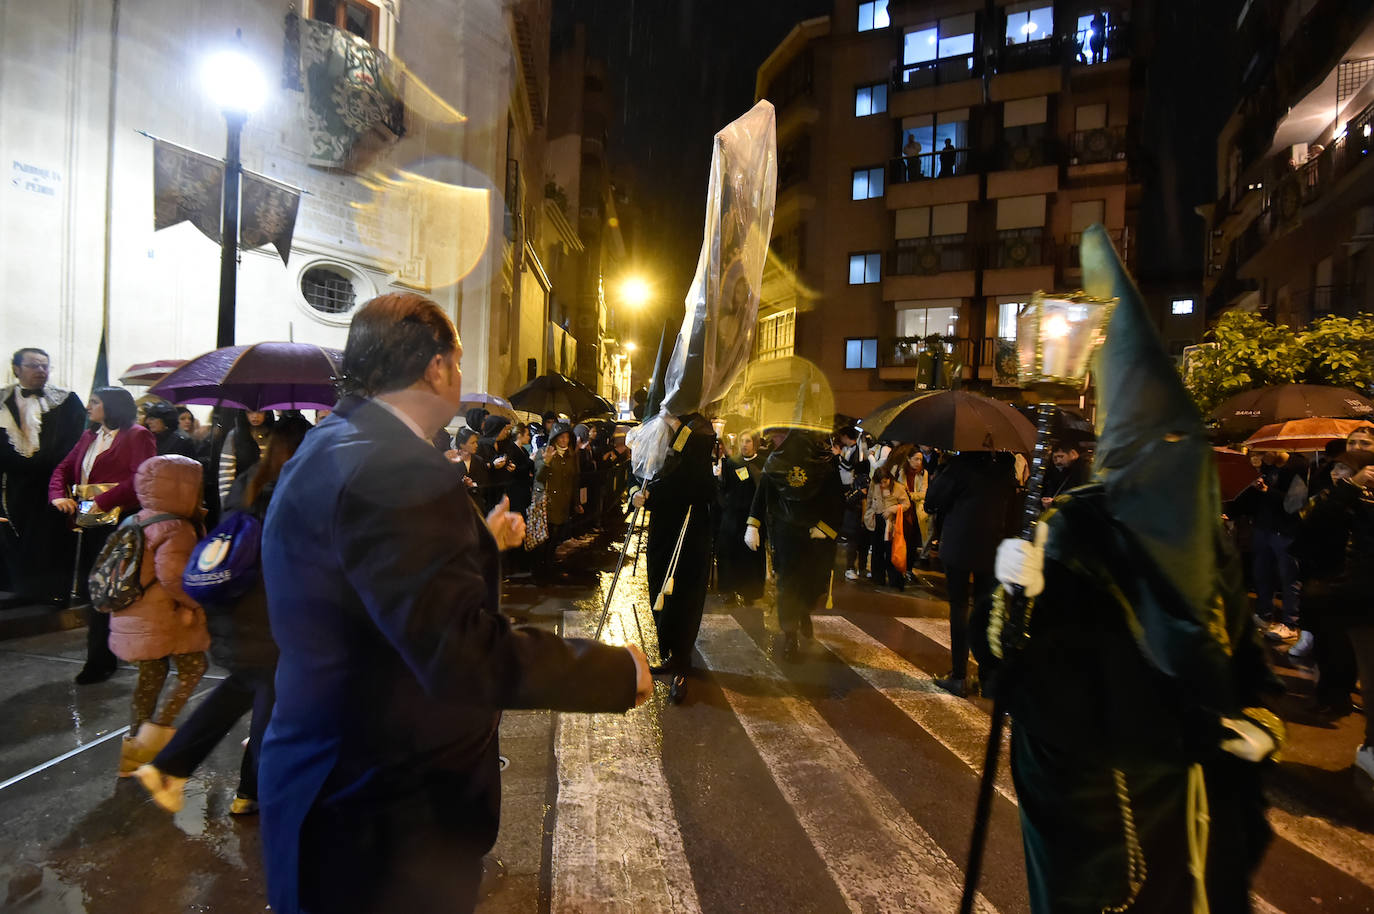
x,y
842,782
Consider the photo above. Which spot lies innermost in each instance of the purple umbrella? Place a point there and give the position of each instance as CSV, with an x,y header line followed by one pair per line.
x,y
259,376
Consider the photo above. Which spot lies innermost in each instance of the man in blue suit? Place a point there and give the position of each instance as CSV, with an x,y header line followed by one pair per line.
x,y
379,775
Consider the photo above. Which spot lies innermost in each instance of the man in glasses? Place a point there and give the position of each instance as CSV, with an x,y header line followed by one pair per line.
x,y
39,425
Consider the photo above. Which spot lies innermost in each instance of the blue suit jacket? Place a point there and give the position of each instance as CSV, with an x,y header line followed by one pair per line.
x,y
383,588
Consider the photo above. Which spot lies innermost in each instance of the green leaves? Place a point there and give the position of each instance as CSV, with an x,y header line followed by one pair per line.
x,y
1245,352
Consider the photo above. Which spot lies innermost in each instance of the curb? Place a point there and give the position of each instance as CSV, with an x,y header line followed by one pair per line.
x,y
26,621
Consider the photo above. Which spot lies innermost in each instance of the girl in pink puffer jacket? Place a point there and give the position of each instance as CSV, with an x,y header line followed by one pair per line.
x,y
164,623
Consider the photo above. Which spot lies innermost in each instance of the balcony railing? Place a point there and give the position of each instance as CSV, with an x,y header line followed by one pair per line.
x,y
1030,153
1121,240
1101,144
935,72
947,163
1320,301
929,256
1020,248
1028,55
1085,51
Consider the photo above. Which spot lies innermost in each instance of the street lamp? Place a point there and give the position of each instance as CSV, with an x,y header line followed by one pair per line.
x,y
630,346
234,83
635,291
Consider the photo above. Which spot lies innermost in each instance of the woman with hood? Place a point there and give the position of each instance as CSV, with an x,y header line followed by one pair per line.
x,y
243,644
163,624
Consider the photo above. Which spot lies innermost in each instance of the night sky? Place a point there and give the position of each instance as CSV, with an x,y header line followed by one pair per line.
x,y
681,70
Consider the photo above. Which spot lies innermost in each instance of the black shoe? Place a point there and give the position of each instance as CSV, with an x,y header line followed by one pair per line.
x,y
953,686
90,675
678,690
789,646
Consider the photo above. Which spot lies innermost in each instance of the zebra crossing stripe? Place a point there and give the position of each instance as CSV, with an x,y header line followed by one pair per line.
x,y
958,725
879,858
616,842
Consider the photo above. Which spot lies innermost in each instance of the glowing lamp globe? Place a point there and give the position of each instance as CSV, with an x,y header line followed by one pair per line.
x,y
233,81
1056,335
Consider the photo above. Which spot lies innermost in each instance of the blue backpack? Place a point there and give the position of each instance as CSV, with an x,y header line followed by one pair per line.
x,y
226,564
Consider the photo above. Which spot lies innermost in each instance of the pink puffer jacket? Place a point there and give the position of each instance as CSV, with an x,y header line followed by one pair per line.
x,y
164,620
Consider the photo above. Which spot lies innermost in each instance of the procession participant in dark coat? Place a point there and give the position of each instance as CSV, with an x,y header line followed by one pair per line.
x,y
110,454
521,489
799,505
740,570
556,470
379,778
240,640
975,494
684,482
1137,692
41,424
163,421
1069,472
476,473
855,472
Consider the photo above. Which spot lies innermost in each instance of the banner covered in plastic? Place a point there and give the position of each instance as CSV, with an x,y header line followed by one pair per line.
x,y
722,305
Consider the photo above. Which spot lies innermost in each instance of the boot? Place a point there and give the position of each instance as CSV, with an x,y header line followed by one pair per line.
x,y
166,790
143,748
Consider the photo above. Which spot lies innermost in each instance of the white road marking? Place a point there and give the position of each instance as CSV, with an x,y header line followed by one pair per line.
x,y
879,858
616,842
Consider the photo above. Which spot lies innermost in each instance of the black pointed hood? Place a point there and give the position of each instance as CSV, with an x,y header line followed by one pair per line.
x,y
1159,486
654,399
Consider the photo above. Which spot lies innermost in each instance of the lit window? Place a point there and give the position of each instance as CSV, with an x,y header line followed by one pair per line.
x,y
356,16
870,100
868,183
873,16
1006,319
1183,306
919,322
951,37
865,268
861,353
1026,24
1091,37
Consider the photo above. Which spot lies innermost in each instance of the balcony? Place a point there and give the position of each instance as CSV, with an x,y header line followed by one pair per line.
x,y
940,72
1094,147
929,256
1022,154
948,163
1016,248
929,361
1068,249
1031,55
1081,51
1343,300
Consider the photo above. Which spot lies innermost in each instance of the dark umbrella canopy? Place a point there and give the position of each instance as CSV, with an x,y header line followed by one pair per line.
x,y
257,377
1245,412
1066,426
952,420
555,393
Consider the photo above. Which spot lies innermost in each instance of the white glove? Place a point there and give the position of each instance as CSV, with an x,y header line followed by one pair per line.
x,y
640,498
751,538
816,534
1246,740
1023,563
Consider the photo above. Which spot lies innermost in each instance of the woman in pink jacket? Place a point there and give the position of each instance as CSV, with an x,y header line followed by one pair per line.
x,y
164,623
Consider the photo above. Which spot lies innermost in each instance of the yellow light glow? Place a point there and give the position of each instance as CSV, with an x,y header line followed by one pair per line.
x,y
1057,327
630,346
635,291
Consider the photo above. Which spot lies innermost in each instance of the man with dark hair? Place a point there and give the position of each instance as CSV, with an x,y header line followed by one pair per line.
x,y
39,425
1069,472
379,777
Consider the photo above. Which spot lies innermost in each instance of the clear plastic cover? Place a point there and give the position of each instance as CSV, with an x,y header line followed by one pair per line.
x,y
722,305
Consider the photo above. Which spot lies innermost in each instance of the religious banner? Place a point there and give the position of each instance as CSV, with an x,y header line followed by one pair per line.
x,y
350,89
187,186
268,214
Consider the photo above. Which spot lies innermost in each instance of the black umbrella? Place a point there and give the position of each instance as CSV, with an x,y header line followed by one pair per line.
x,y
1245,412
553,392
952,420
1066,426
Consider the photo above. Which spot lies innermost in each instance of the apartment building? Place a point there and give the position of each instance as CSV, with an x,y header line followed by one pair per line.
x,y
937,162
1289,232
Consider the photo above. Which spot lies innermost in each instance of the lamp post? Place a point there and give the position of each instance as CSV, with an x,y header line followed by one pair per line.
x,y
1056,336
234,83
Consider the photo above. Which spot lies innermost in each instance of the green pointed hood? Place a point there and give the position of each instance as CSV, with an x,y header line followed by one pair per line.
x,y
1158,485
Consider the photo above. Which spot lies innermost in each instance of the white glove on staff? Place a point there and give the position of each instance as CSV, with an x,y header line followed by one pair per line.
x,y
751,538
1023,563
1246,740
640,498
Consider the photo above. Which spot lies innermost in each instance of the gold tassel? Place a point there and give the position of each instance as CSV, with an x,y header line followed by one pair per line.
x,y
830,594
